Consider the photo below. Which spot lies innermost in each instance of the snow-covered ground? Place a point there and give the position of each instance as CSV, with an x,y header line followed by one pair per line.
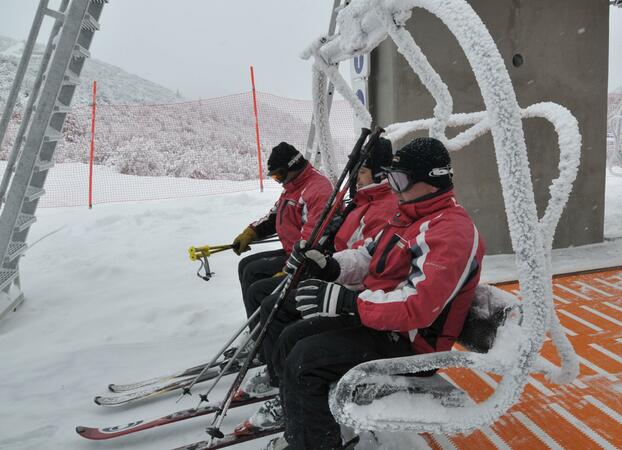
x,y
112,297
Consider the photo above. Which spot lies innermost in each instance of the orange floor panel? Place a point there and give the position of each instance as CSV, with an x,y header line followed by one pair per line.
x,y
584,415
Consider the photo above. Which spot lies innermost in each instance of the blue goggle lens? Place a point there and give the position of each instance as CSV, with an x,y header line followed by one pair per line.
x,y
399,181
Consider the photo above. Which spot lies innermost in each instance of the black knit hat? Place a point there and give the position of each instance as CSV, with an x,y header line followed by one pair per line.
x,y
425,159
285,157
379,157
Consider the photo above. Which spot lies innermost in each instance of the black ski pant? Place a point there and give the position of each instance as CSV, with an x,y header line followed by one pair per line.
x,y
256,278
286,315
307,356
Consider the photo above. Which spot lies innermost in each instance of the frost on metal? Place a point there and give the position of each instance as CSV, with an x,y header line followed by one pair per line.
x,y
614,144
322,71
512,346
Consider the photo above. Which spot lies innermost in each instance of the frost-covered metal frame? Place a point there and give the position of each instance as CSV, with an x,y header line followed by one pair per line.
x,y
363,25
614,158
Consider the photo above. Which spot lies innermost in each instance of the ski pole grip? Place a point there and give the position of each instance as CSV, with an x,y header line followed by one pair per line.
x,y
206,250
355,160
199,252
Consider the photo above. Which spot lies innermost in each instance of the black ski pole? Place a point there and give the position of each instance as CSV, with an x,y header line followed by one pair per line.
x,y
234,358
212,363
291,281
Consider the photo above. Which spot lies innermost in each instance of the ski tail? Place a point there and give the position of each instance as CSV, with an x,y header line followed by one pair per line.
x,y
191,371
150,392
154,391
118,388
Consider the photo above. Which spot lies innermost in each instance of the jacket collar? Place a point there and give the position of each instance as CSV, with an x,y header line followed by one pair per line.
x,y
413,211
300,181
373,192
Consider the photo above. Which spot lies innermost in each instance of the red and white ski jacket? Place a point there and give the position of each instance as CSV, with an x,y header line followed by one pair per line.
x,y
375,205
298,208
419,274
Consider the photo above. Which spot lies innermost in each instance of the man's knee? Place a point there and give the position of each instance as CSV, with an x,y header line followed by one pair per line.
x,y
255,294
290,336
243,264
249,273
296,355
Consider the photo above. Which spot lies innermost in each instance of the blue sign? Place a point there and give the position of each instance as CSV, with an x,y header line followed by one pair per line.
x,y
359,64
361,96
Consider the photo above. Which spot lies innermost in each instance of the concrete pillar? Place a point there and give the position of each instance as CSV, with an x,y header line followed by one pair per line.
x,y
555,50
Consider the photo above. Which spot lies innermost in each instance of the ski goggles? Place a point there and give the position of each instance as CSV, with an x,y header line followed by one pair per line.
x,y
399,181
402,181
278,175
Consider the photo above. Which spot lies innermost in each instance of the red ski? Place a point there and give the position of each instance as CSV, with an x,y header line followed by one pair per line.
x,y
230,439
140,425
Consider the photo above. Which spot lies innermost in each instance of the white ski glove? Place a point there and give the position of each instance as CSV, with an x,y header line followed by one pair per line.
x,y
317,264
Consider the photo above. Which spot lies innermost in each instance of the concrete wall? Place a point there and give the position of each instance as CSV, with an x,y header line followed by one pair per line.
x,y
564,48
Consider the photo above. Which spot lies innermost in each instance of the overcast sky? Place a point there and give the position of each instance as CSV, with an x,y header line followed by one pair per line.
x,y
204,47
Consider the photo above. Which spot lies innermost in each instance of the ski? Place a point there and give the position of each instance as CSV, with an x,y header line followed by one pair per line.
x,y
157,390
117,388
140,425
230,439
151,391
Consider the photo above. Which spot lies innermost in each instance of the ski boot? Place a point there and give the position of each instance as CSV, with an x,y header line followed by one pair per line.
x,y
257,385
268,416
278,443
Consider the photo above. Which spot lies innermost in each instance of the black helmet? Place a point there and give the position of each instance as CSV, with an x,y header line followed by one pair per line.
x,y
423,159
379,157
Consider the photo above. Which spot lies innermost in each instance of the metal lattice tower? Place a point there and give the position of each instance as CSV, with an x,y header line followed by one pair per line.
x,y
31,157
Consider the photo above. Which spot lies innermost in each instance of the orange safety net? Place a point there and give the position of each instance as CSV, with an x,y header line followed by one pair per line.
x,y
203,147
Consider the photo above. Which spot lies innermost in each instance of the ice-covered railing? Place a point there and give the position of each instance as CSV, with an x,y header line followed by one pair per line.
x,y
362,25
614,158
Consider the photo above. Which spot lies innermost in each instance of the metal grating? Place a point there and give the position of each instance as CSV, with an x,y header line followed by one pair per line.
x,y
80,52
53,135
16,249
6,277
24,221
90,23
33,193
43,165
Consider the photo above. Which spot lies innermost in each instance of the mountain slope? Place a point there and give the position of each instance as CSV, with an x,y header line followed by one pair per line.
x,y
115,86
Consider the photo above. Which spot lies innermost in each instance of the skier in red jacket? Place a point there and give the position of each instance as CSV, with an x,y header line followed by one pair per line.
x,y
374,203
416,281
293,216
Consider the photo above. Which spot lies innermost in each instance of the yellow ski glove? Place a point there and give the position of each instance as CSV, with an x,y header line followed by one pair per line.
x,y
242,242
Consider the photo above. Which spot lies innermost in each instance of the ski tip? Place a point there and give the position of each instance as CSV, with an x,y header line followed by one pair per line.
x,y
97,400
80,430
111,387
